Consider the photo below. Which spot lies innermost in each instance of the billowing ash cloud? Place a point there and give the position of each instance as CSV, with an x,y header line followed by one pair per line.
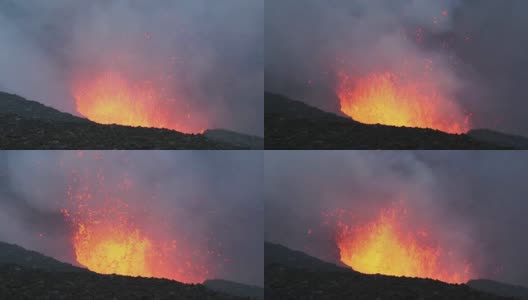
x,y
473,201
210,202
477,50
210,54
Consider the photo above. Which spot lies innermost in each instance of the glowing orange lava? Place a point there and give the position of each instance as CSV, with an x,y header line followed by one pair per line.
x,y
382,247
385,98
107,241
113,236
112,99
109,249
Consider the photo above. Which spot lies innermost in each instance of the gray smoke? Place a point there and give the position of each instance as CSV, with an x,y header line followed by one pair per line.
x,y
473,201
477,49
209,200
212,50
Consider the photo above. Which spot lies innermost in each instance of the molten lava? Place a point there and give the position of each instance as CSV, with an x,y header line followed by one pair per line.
x,y
108,249
107,241
389,99
112,99
383,247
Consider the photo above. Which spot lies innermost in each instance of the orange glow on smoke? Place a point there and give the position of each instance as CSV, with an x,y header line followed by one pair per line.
x,y
110,98
385,98
383,247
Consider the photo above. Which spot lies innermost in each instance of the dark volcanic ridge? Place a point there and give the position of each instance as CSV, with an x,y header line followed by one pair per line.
x,y
293,274
15,255
291,124
30,275
26,124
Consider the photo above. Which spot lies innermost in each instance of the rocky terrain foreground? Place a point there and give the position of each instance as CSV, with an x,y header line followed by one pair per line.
x,y
291,124
26,124
30,275
294,275
17,282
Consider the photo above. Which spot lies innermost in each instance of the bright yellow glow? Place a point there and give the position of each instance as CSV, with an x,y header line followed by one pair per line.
x,y
114,251
381,247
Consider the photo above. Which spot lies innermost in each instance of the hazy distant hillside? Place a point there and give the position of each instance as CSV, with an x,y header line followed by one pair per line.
x,y
499,288
498,138
235,138
235,288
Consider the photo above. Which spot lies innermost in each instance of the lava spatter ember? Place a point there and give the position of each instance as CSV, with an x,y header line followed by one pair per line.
x,y
391,99
383,246
110,98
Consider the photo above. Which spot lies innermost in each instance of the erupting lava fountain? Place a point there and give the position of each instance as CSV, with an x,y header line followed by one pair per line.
x,y
389,99
110,98
383,246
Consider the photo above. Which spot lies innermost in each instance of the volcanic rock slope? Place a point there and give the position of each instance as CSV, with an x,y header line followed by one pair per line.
x,y
26,124
29,275
291,124
16,255
294,275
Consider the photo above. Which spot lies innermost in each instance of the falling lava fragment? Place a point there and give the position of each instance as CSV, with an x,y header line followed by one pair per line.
x,y
389,99
382,247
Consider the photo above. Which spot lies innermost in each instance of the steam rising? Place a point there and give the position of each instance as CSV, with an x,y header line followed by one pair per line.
x,y
473,202
475,50
209,201
211,53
